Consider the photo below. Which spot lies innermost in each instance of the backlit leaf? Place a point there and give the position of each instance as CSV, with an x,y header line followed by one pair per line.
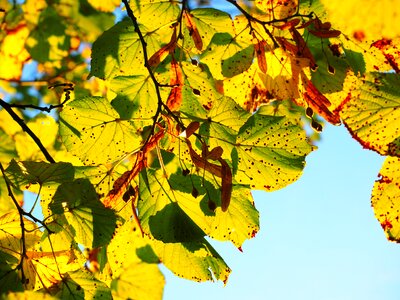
x,y
196,261
90,124
118,52
208,21
274,147
30,172
79,204
139,281
49,41
83,285
385,198
372,114
155,14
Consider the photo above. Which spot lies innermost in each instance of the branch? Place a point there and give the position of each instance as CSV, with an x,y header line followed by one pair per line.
x,y
25,128
157,85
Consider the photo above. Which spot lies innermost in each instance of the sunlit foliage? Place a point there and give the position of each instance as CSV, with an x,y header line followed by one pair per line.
x,y
132,133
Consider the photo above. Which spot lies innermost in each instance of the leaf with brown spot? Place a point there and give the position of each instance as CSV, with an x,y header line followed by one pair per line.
x,y
385,198
372,114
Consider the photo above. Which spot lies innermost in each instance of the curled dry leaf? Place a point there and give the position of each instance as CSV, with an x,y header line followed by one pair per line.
x,y
193,31
222,171
174,100
163,52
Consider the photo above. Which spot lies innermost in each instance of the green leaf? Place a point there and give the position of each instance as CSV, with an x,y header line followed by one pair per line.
x,y
7,147
226,56
223,123
386,198
372,113
139,281
91,129
155,14
196,261
24,173
11,234
88,22
208,21
9,278
160,214
49,42
127,247
83,285
271,152
78,202
239,223
136,97
118,51
29,295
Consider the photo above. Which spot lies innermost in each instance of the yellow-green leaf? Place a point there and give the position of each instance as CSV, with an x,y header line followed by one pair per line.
x,y
140,281
78,203
372,113
386,198
271,152
92,129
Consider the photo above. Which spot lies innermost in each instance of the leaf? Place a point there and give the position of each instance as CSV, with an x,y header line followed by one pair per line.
x,y
278,9
128,247
385,198
83,285
207,22
139,281
91,129
9,278
11,234
49,42
24,173
161,216
238,223
45,128
7,147
79,204
118,51
26,295
374,19
108,6
136,98
274,147
196,261
155,14
371,113
13,54
230,52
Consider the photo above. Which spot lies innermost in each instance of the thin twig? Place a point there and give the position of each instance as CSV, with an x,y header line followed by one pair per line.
x,y
25,128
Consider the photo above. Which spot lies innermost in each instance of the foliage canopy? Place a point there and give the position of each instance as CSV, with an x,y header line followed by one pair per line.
x,y
141,137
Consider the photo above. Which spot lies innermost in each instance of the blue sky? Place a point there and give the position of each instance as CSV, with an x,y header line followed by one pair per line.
x,y
318,240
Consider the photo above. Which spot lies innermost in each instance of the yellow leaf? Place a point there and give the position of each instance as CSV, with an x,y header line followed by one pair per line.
x,y
7,123
386,198
278,9
45,129
106,6
13,53
372,20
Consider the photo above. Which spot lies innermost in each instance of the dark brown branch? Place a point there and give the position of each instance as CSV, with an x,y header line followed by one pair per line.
x,y
25,128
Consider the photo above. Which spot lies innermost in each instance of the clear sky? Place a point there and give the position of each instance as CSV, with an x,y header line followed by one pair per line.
x,y
318,240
